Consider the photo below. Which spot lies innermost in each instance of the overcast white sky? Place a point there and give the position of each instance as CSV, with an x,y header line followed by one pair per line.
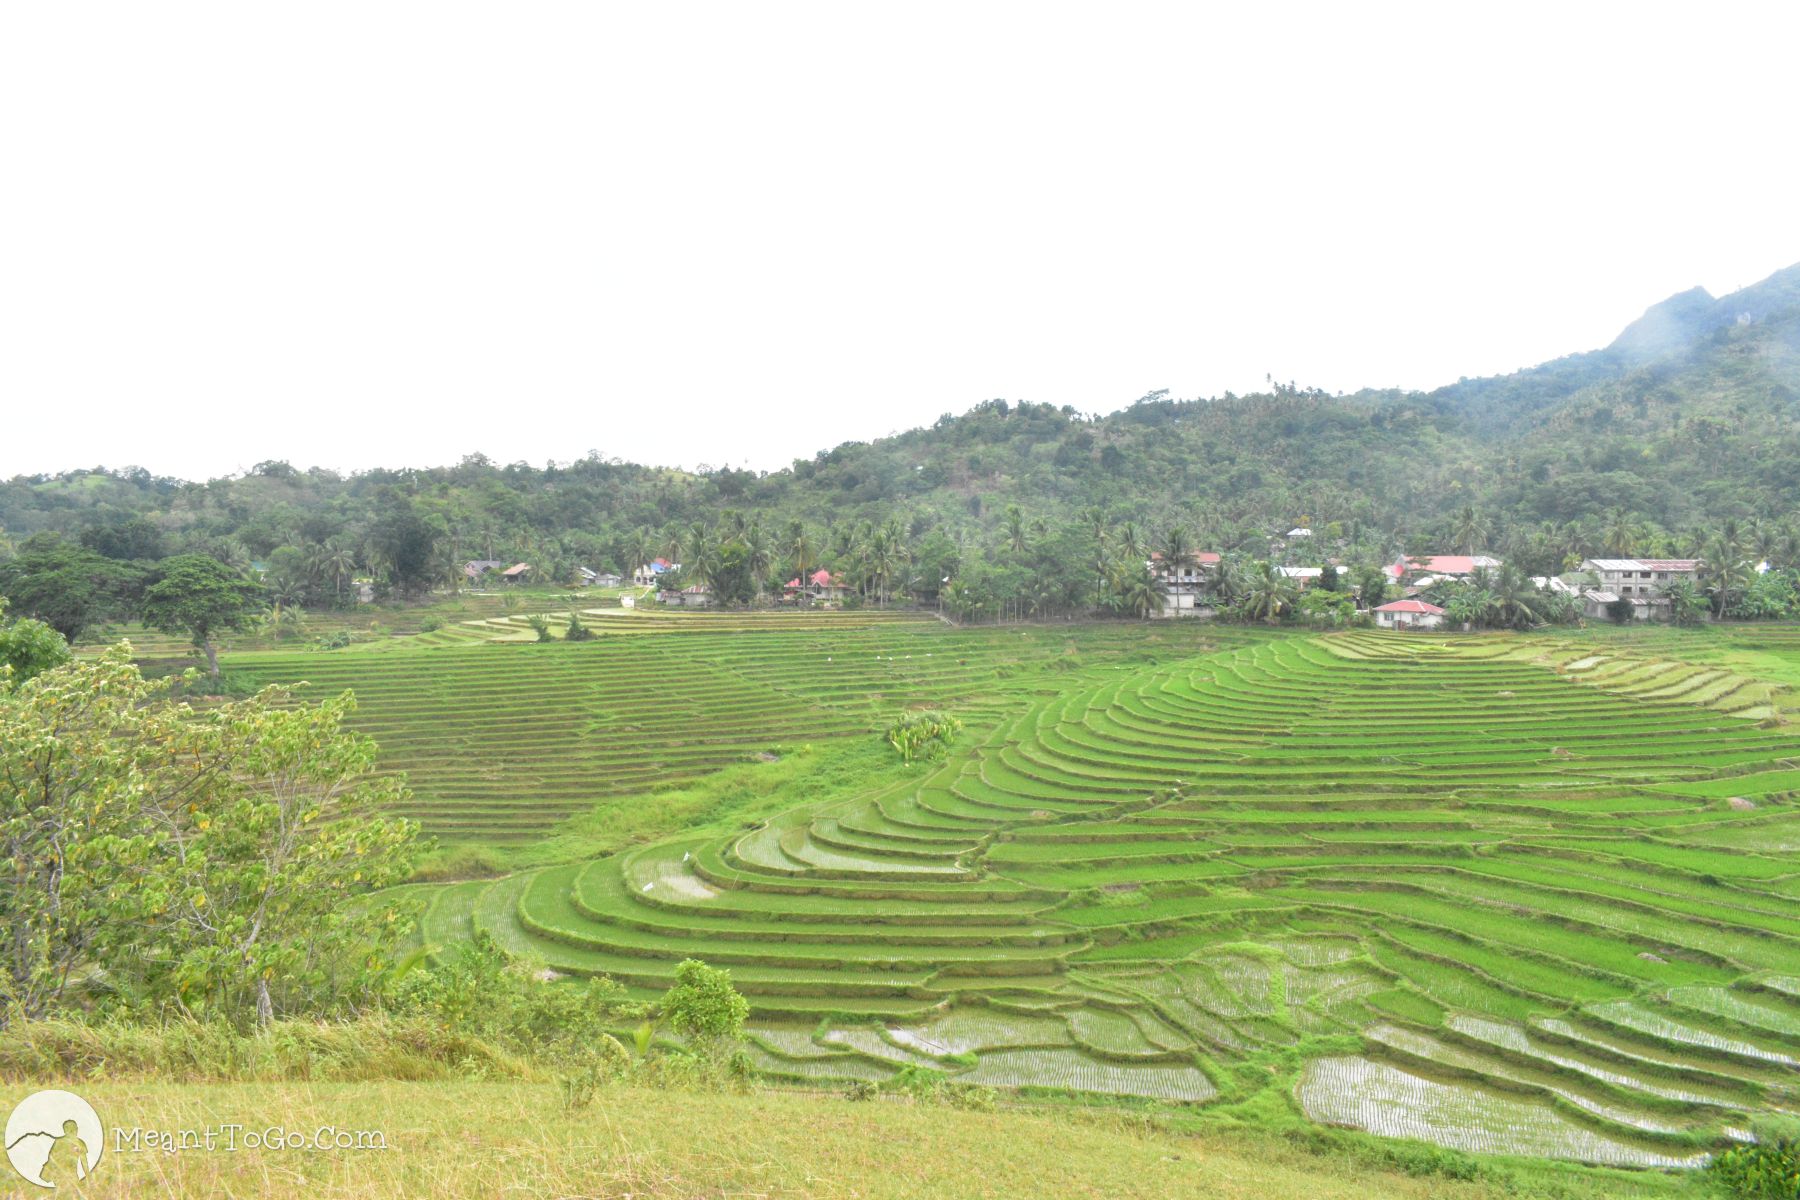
x,y
366,233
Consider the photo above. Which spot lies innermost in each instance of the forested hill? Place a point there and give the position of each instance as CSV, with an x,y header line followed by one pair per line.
x,y
1690,417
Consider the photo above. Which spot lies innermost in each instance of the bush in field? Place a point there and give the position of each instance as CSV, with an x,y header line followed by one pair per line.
x,y
479,991
1768,1170
705,1008
540,625
924,735
577,632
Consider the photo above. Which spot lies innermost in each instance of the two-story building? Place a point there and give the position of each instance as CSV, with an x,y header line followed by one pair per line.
x,y
1642,581
1187,587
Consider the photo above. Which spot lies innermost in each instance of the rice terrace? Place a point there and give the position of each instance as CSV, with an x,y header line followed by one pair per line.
x,y
1523,894
806,601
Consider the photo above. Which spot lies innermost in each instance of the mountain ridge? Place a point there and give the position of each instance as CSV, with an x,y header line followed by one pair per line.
x,y
1691,415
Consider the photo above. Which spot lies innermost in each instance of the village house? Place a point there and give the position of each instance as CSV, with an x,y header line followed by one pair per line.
x,y
1301,577
606,579
1408,614
517,573
1642,581
647,574
821,587
1187,587
696,595
477,569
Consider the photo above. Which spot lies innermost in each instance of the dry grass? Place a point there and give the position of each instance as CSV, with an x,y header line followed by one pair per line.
x,y
514,1139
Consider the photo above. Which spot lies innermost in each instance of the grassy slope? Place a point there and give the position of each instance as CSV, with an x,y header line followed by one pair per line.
x,y
474,1139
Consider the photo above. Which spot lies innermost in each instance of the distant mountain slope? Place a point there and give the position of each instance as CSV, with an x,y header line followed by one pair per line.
x,y
1691,415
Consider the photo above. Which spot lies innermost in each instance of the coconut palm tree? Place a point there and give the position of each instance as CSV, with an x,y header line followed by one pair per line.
x,y
1267,593
639,549
1620,534
883,556
1724,573
1687,605
1136,591
802,549
1517,601
1131,541
1469,529
1015,528
759,556
1177,547
701,553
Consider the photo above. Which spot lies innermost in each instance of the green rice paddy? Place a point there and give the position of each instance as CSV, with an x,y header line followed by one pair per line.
x,y
1536,896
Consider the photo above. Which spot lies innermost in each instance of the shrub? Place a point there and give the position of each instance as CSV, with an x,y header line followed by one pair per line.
x,y
705,1008
924,735
1768,1170
540,625
577,632
430,625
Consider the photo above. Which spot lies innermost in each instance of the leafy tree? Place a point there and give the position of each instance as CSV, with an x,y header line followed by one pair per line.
x,y
67,587
201,597
209,862
403,542
27,648
76,770
133,539
251,892
729,574
1371,586
704,1007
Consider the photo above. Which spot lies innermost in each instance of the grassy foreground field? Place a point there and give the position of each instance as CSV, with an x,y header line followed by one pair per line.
x,y
1528,896
455,1139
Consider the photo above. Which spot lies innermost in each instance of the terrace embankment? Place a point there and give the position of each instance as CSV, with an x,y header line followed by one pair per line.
x,y
1492,892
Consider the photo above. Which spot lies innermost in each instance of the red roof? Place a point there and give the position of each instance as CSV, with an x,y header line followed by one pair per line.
x,y
1203,557
822,577
1410,606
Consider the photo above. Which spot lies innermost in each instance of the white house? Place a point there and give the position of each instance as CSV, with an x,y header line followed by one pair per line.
x,y
1186,586
1409,614
653,570
1301,577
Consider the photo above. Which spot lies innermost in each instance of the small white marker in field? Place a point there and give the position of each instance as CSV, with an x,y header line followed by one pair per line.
x,y
646,887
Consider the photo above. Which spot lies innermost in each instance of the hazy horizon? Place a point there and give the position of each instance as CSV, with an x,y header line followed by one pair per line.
x,y
736,236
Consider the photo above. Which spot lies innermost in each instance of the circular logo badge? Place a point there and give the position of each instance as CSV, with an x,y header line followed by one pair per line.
x,y
54,1137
